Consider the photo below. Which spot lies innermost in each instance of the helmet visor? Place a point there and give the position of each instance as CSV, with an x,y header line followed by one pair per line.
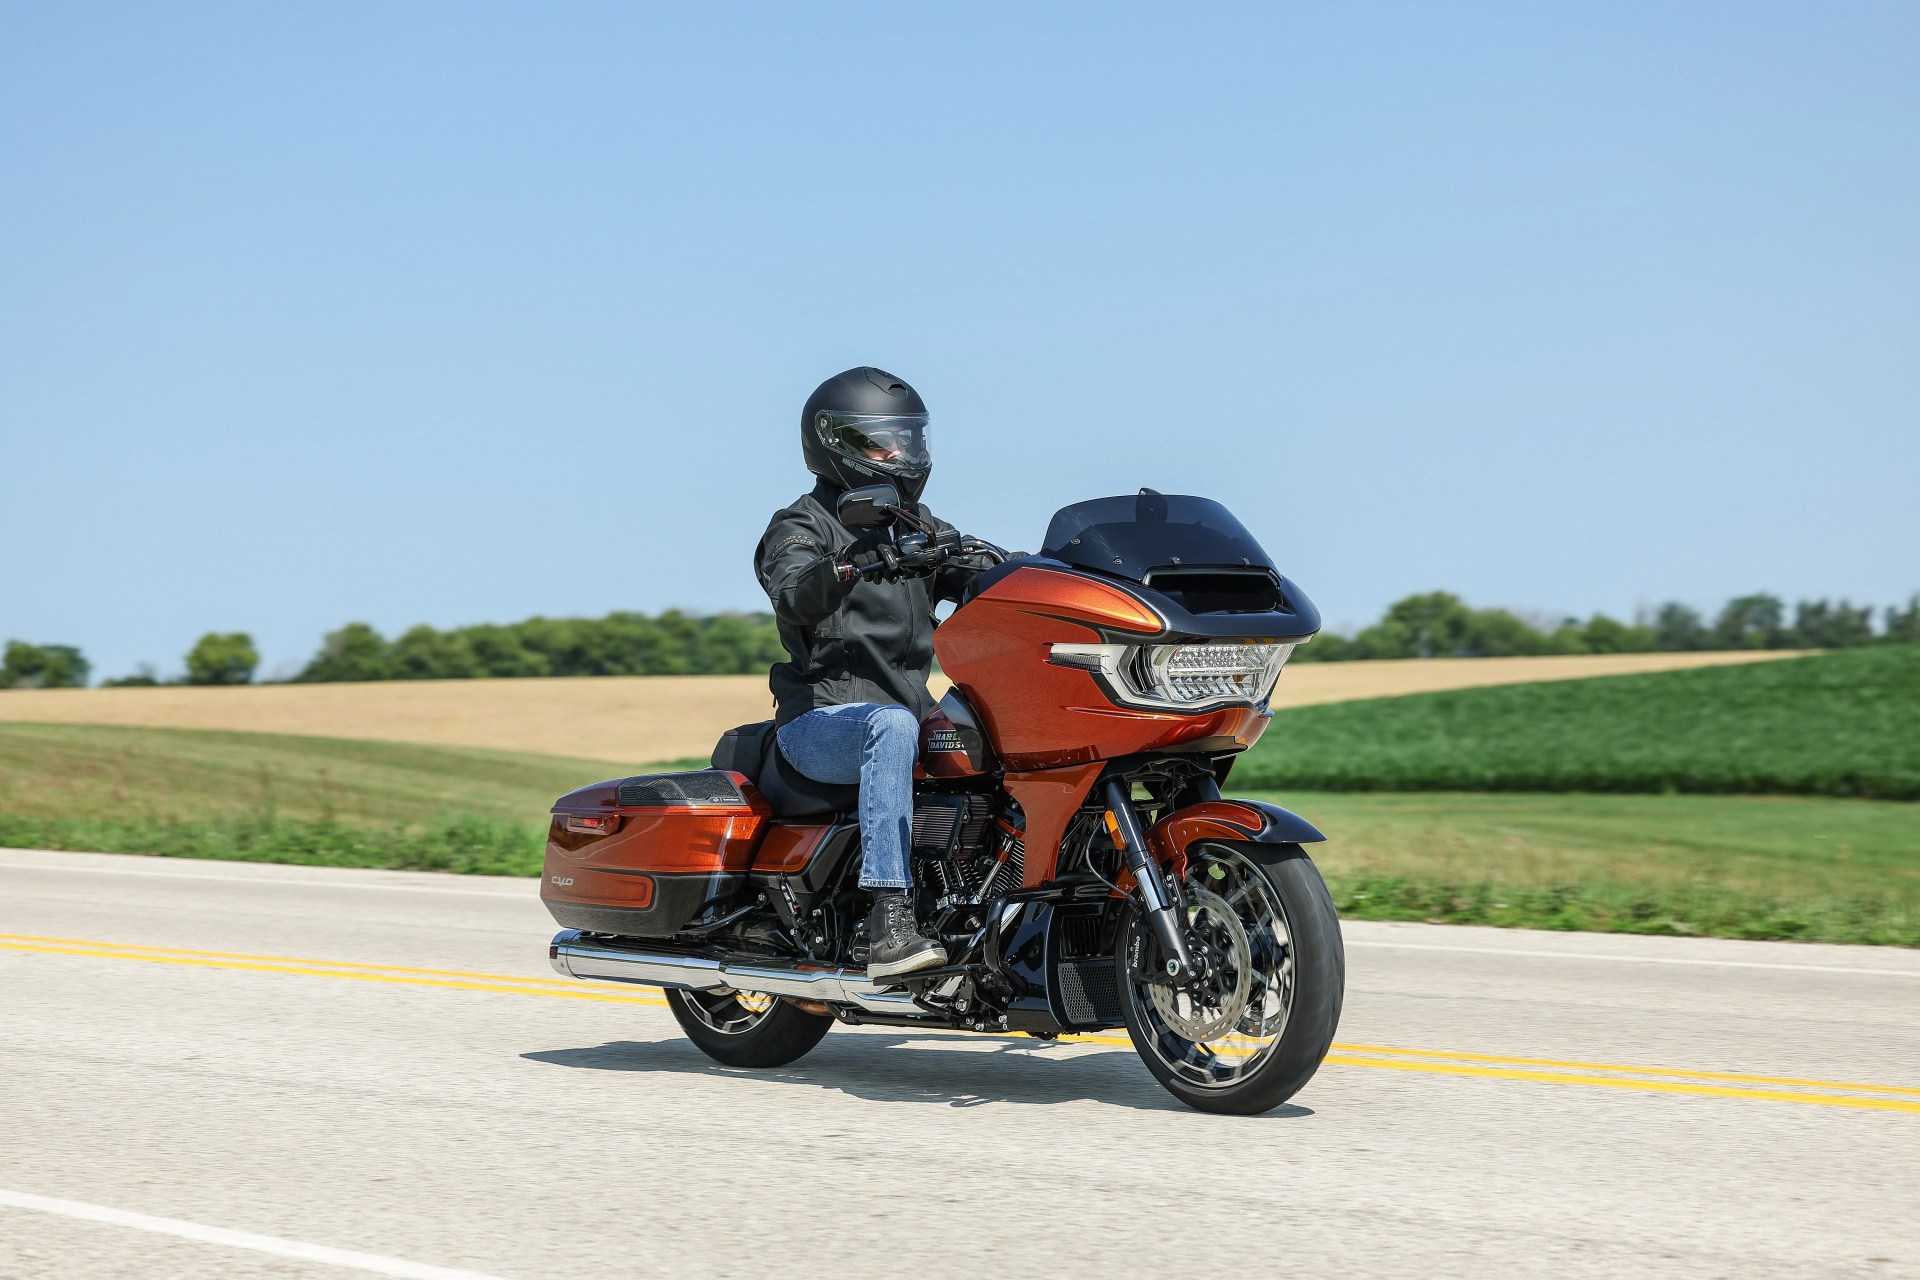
x,y
887,442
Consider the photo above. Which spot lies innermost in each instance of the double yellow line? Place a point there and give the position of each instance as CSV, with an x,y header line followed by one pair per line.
x,y
1596,1075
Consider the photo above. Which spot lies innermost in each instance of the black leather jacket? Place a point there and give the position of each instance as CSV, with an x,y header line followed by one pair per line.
x,y
859,641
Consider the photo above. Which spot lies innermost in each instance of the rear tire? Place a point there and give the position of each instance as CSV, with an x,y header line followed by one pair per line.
x,y
1254,1037
745,1030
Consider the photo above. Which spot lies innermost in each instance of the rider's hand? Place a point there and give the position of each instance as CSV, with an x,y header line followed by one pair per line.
x,y
872,555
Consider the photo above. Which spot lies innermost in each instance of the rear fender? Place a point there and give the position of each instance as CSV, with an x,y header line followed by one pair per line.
x,y
1244,821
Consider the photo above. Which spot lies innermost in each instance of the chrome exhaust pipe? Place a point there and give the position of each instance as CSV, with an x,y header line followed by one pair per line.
x,y
574,956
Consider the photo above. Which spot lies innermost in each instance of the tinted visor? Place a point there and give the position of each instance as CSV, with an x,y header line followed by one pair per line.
x,y
886,441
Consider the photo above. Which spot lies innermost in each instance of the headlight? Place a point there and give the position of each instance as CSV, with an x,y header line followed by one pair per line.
x,y
1179,677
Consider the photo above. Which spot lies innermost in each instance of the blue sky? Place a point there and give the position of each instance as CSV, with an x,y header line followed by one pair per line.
x,y
464,312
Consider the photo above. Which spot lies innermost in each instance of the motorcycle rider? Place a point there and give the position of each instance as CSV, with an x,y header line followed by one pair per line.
x,y
854,690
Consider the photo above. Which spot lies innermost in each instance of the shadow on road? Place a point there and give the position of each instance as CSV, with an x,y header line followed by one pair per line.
x,y
1016,1072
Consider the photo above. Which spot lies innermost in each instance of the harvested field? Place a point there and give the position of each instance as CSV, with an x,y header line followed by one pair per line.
x,y
645,718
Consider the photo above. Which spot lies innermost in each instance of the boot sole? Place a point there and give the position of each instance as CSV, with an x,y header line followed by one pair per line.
x,y
932,958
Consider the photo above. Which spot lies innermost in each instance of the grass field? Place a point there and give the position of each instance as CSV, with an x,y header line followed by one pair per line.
x,y
637,718
1740,866
1837,724
1810,868
280,798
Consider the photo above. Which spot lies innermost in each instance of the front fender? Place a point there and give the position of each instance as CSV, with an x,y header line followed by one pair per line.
x,y
1239,820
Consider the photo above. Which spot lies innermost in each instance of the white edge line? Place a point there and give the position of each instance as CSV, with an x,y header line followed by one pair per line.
x,y
377,1264
1615,959
507,895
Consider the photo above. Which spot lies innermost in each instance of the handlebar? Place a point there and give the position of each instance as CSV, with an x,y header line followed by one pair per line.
x,y
916,554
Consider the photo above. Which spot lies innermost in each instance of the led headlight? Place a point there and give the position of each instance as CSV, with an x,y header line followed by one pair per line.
x,y
1180,677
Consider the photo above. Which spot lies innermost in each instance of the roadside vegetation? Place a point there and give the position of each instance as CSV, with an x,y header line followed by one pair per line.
x,y
1816,869
272,798
1837,724
1808,869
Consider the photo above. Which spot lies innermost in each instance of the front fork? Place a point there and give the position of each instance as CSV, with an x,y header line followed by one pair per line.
x,y
1165,917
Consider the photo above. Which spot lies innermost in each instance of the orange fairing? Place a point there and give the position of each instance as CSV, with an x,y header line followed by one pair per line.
x,y
1049,800
1208,820
1041,716
1070,595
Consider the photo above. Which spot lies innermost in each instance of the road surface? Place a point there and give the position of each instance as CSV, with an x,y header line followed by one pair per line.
x,y
217,1069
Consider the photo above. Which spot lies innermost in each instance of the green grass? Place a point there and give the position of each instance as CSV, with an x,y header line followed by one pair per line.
x,y
1805,868
281,798
1837,724
1736,866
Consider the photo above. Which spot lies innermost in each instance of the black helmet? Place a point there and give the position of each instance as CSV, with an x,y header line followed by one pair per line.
x,y
866,426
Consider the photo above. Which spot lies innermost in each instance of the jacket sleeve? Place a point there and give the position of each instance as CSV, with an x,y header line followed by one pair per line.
x,y
795,565
953,580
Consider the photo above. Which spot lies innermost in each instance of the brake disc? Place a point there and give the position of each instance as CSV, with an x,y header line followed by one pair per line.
x,y
1212,1007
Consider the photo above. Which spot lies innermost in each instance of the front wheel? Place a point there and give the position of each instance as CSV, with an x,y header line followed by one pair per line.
x,y
1253,1030
746,1030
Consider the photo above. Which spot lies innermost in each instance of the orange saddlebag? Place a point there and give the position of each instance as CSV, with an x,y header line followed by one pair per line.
x,y
644,856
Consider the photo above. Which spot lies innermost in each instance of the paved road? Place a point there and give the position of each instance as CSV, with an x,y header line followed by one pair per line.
x,y
380,1075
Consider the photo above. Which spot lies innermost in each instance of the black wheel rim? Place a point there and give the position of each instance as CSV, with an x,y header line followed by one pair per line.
x,y
1222,1031
730,1013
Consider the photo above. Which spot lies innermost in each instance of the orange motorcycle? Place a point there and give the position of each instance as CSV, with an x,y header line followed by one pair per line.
x,y
1070,843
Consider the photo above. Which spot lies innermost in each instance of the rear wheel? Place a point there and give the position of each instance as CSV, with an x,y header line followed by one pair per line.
x,y
742,1029
1253,1030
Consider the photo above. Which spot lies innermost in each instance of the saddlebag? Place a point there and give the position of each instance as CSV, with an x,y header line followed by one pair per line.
x,y
646,856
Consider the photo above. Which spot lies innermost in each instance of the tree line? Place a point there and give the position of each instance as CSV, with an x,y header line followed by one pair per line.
x,y
1434,624
620,644
1438,624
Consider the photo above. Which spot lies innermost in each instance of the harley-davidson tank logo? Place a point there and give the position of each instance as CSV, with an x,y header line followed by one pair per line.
x,y
946,740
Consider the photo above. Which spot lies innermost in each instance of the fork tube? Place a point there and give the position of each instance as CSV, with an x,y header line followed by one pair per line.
x,y
1146,874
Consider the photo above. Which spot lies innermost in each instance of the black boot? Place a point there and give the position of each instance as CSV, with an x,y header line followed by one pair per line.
x,y
897,947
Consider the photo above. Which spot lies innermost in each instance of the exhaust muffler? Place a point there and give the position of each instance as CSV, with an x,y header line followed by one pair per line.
x,y
575,956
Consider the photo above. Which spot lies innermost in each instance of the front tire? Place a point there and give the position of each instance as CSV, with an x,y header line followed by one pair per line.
x,y
1255,1030
745,1030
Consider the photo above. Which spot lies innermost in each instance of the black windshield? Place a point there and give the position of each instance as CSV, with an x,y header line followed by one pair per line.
x,y
1132,536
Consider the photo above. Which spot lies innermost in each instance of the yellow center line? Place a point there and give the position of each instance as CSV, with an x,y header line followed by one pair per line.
x,y
1378,1057
354,976
1382,1050
299,960
1615,1082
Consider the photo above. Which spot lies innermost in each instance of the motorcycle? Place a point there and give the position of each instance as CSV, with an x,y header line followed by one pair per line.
x,y
1070,842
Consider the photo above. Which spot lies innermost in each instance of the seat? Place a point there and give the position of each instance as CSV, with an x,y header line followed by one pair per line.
x,y
753,750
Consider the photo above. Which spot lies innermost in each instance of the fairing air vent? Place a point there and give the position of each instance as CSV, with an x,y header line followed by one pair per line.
x,y
1219,590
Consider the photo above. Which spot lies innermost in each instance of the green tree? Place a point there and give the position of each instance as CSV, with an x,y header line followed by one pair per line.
x,y
43,666
144,677
1430,625
1903,625
1678,629
503,651
1604,635
354,652
1327,646
1820,625
422,653
1496,633
218,658
1751,622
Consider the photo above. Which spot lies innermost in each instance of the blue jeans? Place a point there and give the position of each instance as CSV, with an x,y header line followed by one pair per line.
x,y
875,745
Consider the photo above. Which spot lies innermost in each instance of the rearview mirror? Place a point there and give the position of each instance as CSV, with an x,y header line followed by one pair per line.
x,y
868,506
